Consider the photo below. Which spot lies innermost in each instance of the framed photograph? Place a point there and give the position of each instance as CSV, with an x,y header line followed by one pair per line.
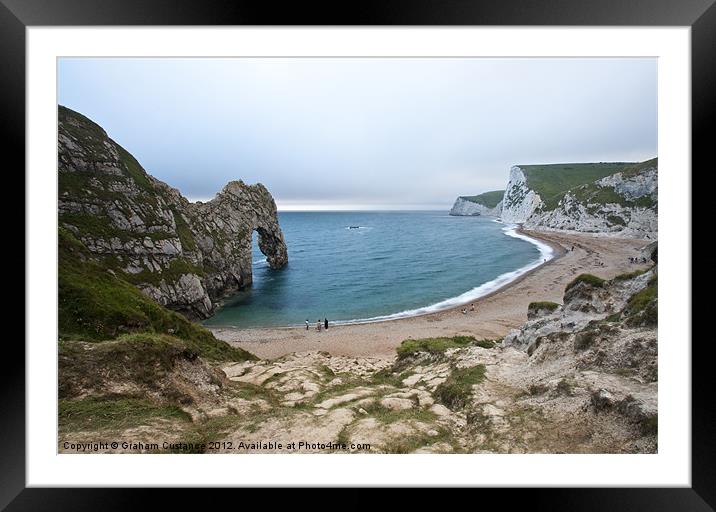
x,y
418,248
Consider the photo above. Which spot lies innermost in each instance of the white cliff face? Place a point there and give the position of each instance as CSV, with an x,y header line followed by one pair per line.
x,y
520,202
630,210
633,187
614,219
622,204
465,207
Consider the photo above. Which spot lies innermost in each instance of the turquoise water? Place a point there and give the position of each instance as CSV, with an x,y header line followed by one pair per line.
x,y
393,264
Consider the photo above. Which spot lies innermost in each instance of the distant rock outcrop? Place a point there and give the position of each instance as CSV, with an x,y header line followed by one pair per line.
x,y
489,203
184,255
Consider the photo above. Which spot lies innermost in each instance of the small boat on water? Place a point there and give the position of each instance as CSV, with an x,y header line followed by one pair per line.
x,y
353,227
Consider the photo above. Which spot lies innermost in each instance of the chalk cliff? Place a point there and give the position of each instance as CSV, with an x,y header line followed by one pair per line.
x,y
489,204
619,199
621,204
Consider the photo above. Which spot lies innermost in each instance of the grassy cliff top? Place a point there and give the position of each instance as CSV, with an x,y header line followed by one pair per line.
x,y
95,305
552,181
635,169
488,199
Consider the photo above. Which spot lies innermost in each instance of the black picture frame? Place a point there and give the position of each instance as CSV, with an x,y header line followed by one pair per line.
x,y
16,15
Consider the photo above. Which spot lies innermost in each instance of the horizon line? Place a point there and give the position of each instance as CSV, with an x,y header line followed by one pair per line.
x,y
301,207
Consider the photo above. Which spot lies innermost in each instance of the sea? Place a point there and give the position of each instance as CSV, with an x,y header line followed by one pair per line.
x,y
352,267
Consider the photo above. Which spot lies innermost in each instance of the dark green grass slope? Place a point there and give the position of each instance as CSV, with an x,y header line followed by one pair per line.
x,y
635,169
94,305
594,194
552,181
488,199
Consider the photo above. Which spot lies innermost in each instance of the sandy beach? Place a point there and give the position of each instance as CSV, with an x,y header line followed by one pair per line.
x,y
496,314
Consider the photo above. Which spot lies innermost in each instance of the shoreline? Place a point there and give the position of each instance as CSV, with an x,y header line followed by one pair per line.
x,y
557,252
497,312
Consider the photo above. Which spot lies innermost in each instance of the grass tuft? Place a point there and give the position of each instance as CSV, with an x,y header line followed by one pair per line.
x,y
457,388
631,275
589,279
107,413
439,345
642,308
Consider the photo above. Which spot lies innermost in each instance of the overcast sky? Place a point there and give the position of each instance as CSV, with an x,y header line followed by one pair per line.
x,y
364,133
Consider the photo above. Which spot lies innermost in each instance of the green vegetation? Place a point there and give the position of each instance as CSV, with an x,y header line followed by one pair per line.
x,y
552,181
390,377
625,372
593,193
411,443
488,199
122,357
537,389
171,273
439,345
83,129
635,169
589,279
106,413
343,438
96,305
631,275
106,188
135,171
185,235
585,339
649,425
348,383
642,308
616,220
548,305
99,226
142,358
197,438
91,138
388,416
457,388
486,343
565,387
640,300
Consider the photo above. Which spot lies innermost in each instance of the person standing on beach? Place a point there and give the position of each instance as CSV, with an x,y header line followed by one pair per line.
x,y
306,323
325,322
318,325
472,307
